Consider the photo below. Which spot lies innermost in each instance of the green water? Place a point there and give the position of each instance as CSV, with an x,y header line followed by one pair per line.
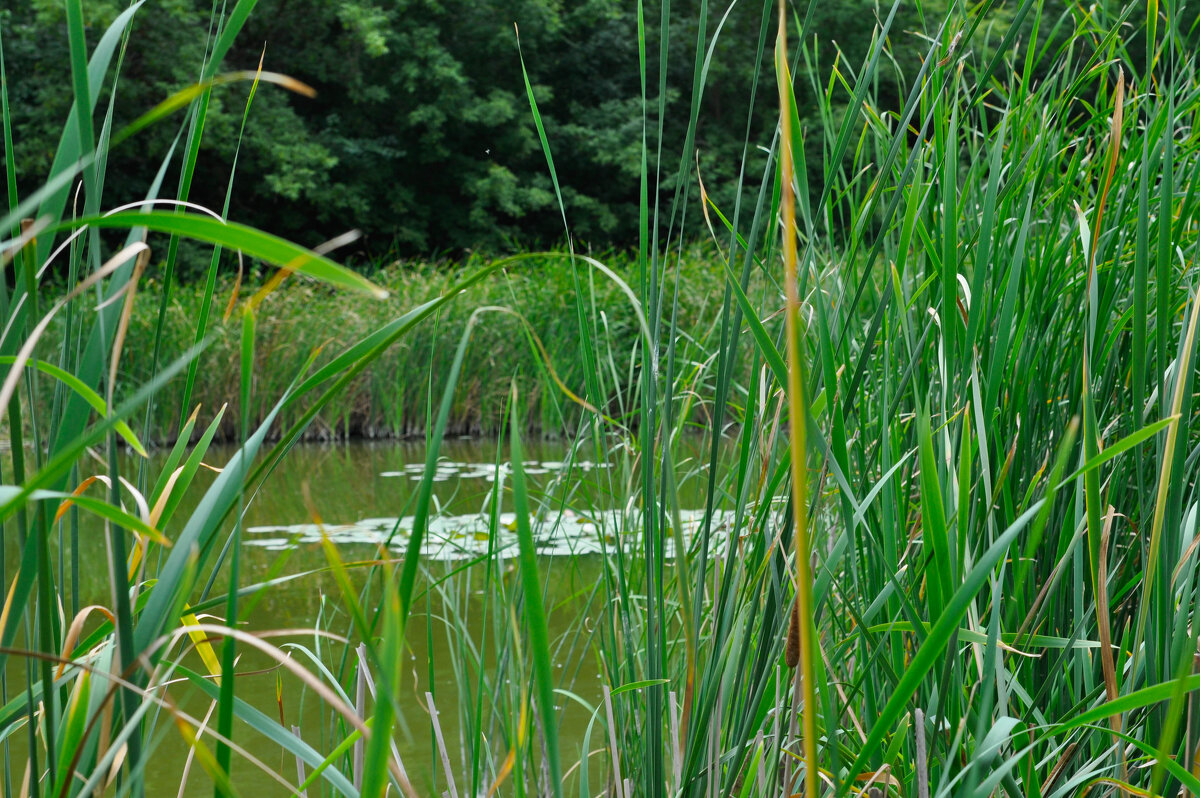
x,y
364,495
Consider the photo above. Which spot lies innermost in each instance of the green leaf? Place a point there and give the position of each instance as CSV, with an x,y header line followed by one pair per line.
x,y
232,235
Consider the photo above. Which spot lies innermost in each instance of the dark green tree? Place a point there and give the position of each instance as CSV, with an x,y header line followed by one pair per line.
x,y
421,135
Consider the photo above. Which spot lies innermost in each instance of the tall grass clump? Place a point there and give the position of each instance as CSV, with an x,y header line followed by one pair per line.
x,y
945,541
386,401
951,550
85,687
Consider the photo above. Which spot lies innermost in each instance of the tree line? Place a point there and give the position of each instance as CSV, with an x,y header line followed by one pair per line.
x,y
420,133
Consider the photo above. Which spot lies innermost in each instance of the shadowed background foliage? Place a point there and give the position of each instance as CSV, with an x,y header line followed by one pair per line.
x,y
420,133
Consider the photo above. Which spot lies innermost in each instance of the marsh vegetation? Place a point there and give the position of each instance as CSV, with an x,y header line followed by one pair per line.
x,y
888,483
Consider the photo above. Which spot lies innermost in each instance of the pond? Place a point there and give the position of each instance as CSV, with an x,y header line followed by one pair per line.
x,y
362,496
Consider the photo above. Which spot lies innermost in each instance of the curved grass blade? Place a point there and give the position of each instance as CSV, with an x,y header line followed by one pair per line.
x,y
87,394
232,235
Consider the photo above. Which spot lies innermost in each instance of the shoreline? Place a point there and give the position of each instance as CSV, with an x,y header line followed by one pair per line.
x,y
397,395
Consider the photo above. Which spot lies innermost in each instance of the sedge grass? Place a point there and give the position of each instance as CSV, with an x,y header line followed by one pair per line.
x,y
385,401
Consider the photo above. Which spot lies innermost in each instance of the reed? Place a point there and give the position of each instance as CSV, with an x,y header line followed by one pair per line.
x,y
946,377
390,400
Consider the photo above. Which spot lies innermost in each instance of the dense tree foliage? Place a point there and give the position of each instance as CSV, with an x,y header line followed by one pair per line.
x,y
420,133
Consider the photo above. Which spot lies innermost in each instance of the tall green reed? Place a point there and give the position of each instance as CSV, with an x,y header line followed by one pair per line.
x,y
94,698
992,281
974,274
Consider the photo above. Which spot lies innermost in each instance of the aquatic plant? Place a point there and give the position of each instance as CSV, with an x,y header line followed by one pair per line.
x,y
949,471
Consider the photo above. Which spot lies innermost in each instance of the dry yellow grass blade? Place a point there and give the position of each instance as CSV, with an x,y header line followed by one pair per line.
x,y
283,81
76,629
204,648
1114,155
234,292
1103,623
284,272
507,765
1164,478
130,291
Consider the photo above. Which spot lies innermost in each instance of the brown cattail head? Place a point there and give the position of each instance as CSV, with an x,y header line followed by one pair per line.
x,y
791,654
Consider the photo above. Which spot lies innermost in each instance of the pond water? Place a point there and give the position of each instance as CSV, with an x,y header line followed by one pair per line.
x,y
363,495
